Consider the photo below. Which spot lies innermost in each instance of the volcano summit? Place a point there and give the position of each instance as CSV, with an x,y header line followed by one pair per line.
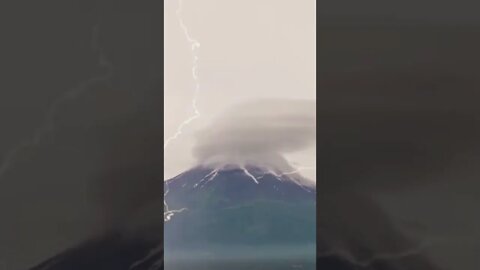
x,y
240,216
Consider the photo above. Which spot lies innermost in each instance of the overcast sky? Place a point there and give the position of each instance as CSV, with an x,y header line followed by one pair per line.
x,y
248,50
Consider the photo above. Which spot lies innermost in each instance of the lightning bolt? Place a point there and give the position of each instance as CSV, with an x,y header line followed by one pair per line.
x,y
296,170
293,171
167,213
250,175
170,213
209,177
194,49
194,45
48,123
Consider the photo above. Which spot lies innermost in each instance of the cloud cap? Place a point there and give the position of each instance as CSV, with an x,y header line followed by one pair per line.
x,y
258,131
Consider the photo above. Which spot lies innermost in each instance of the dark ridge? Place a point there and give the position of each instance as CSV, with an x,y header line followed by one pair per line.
x,y
111,252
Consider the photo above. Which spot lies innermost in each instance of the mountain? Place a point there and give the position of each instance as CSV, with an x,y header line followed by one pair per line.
x,y
206,189
233,215
110,252
216,218
239,218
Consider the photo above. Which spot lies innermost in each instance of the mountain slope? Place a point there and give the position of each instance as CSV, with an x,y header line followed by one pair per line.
x,y
253,214
242,218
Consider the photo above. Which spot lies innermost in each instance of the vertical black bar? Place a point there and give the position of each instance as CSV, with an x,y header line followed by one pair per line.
x,y
81,116
398,124
161,86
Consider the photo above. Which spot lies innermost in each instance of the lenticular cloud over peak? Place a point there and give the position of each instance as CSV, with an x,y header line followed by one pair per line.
x,y
258,132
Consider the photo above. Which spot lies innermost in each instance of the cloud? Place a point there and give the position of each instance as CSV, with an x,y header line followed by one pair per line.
x,y
258,131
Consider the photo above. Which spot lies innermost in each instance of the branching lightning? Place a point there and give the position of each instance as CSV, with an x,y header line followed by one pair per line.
x,y
295,170
250,175
167,213
194,45
298,170
194,49
196,113
207,178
